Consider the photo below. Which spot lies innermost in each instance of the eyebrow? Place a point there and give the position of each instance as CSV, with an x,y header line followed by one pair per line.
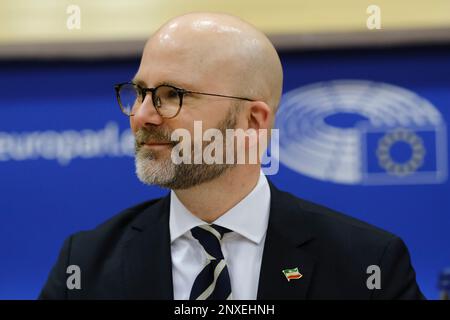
x,y
160,83
139,82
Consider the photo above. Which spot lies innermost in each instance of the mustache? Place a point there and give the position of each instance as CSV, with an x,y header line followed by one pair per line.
x,y
155,135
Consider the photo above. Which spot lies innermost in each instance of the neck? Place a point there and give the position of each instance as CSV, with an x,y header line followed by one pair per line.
x,y
210,200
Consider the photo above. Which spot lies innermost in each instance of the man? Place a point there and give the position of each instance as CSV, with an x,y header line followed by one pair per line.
x,y
224,231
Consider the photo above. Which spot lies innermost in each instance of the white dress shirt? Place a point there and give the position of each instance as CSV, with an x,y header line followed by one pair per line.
x,y
242,249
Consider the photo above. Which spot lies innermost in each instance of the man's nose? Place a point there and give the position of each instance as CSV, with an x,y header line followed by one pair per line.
x,y
146,114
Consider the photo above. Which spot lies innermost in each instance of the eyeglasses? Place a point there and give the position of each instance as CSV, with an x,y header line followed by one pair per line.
x,y
166,99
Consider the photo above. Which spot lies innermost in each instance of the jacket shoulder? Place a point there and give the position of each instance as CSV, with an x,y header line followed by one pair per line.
x,y
330,216
334,227
114,229
97,253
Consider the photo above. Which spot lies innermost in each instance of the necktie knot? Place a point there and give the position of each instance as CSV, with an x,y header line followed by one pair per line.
x,y
209,236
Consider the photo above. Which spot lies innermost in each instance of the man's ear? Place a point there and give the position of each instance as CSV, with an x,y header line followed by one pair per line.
x,y
258,125
259,115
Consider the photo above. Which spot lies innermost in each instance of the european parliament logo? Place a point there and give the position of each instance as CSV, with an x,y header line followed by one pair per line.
x,y
362,132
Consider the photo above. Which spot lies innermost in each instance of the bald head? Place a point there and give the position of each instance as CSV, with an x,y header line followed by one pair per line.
x,y
220,50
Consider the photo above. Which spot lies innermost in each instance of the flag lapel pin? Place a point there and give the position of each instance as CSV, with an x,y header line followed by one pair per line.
x,y
292,274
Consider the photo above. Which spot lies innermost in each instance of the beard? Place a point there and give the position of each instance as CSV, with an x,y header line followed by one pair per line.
x,y
155,168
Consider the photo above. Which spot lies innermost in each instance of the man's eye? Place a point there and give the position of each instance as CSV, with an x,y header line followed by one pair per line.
x,y
172,94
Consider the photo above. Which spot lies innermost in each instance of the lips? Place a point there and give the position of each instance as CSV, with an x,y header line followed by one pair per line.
x,y
156,143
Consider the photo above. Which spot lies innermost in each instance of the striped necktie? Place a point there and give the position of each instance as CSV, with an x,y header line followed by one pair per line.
x,y
213,282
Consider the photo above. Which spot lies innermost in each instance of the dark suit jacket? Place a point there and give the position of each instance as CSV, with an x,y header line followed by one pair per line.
x,y
128,257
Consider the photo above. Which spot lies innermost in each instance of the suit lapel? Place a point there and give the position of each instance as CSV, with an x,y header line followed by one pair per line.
x,y
287,238
147,258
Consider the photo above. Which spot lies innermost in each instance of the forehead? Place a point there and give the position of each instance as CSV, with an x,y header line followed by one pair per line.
x,y
178,62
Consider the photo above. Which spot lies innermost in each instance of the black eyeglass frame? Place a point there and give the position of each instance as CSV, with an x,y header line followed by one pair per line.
x,y
181,92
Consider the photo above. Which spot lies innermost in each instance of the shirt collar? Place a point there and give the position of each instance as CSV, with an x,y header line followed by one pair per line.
x,y
249,217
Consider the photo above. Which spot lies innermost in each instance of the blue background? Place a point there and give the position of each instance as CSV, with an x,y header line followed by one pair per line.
x,y
42,202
